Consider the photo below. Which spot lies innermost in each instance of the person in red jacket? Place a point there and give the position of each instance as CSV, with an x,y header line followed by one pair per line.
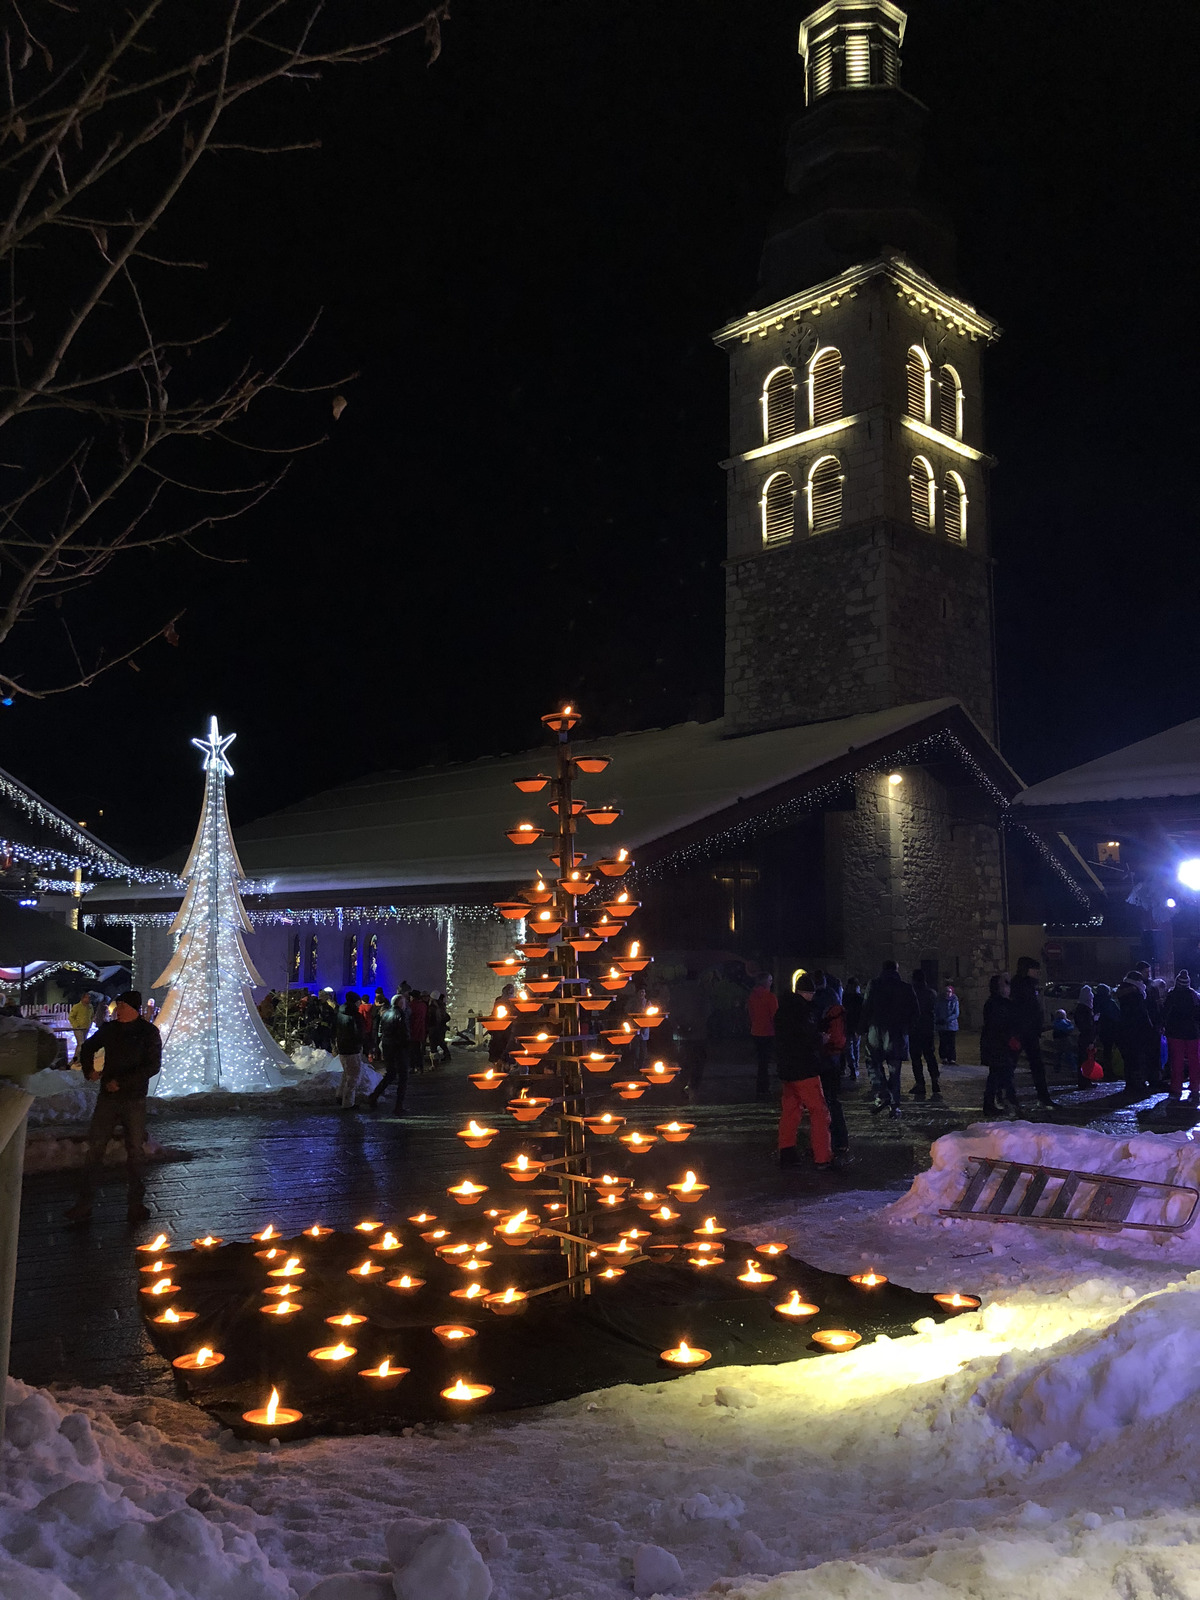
x,y
762,1004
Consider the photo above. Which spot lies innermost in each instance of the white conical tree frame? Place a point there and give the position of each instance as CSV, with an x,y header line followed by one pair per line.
x,y
213,1036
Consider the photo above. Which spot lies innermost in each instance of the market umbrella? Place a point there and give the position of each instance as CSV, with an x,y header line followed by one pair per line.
x,y
29,936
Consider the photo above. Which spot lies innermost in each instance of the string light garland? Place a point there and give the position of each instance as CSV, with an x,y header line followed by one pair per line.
x,y
213,1036
322,916
85,853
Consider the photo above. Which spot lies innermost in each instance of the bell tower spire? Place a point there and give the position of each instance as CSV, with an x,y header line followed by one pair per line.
x,y
858,571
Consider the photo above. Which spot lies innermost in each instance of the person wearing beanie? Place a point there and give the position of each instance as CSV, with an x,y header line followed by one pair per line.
x,y
132,1055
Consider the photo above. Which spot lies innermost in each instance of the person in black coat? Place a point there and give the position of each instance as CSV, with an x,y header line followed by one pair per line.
x,y
1026,998
394,1040
888,1013
924,1032
1181,1019
132,1056
798,1061
1137,1038
999,1047
348,1041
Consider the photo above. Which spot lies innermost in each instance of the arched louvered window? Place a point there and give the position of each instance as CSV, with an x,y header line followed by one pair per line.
x,y
923,492
954,508
779,405
950,402
825,387
310,959
778,506
825,495
918,378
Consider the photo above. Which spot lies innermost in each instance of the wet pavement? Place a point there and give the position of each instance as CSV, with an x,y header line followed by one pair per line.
x,y
76,1319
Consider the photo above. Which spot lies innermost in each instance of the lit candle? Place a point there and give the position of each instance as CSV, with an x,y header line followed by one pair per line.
x,y
612,1272
291,1268
387,1243
638,1143
317,1232
171,1317
346,1319
473,1264
423,1218
473,1291
685,1355
367,1227
704,1261
267,1233
272,1415
635,1233
435,1235
468,1193
676,1132
476,1137
281,1308
522,1169
161,1269
204,1357
754,1276
773,1249
334,1356
406,1281
836,1338
162,1287
605,1123
365,1269
453,1333
273,1254
209,1242
868,1280
793,1306
665,1214
384,1376
958,1302
509,1304
155,1247
709,1228
689,1189
461,1390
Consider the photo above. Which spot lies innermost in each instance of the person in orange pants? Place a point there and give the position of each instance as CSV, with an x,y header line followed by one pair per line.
x,y
798,1065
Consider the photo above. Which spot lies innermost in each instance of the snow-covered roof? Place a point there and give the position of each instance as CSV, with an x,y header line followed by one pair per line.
x,y
446,825
1166,765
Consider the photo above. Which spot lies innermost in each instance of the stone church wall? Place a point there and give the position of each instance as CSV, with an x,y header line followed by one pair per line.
x,y
472,985
856,621
921,884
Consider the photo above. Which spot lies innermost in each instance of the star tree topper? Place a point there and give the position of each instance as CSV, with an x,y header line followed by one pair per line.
x,y
214,748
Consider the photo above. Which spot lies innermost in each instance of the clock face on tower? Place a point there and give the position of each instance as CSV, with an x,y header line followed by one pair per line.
x,y
802,345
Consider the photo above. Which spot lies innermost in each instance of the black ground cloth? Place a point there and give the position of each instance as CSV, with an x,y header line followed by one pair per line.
x,y
555,1350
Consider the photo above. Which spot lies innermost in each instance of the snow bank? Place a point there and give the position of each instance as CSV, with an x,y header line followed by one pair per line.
x,y
1151,1157
61,1097
44,1154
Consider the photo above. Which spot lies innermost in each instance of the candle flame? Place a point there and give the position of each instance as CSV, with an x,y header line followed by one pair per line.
x,y
523,1162
282,1309
633,950
384,1367
390,1242
490,1073
710,1224
456,1333
664,1213
689,1183
157,1266
315,1230
525,827
157,1244
346,1320
163,1286
267,1233
365,1270
467,1187
622,855
459,1391
208,1239
473,1291
674,1127
169,1315
752,1274
508,1296
683,1352
406,1282
515,1222
203,1356
501,1011
291,1263
272,1407
340,1352
793,1303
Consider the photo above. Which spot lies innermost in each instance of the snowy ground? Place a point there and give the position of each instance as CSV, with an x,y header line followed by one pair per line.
x,y
1043,1447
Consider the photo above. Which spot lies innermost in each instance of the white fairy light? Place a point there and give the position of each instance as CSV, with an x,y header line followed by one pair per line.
x,y
213,1036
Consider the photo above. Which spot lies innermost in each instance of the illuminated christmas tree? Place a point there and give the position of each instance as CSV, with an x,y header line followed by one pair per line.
x,y
213,1036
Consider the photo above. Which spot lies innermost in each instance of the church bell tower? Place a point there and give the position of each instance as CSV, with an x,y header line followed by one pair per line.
x,y
858,571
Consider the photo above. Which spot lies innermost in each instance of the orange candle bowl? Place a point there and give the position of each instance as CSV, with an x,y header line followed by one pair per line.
x,y
527,1108
604,1124
958,1302
474,1263
461,1391
517,1229
704,1261
561,721
526,1006
531,785
614,982
283,1290
523,1169
384,1376
663,1250
491,1079
689,1190
387,1244
525,833
333,1357
346,1319
631,1089
707,1247
316,1231
272,1414
592,1002
592,764
365,1269
209,1242
506,967
754,1278
473,1291
619,1251
675,1132
794,1309
647,1199
597,1061
638,1143
275,1252
709,1229
475,1136
538,893
499,1021
868,1280
614,866
685,1355
577,883
453,1334
155,1247
291,1268
664,1215
524,1059
435,1235
512,910
775,1248
368,1226
162,1290
406,1283
634,1234
467,1193
281,1309
511,1303
422,1219
202,1360
610,1273
170,1318
544,985
652,1017
660,1072
836,1338
534,949
157,1269
621,907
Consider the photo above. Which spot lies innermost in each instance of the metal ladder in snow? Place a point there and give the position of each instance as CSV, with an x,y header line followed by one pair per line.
x,y
1057,1197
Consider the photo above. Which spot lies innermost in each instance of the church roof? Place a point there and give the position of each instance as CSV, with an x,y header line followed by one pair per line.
x,y
1165,766
444,826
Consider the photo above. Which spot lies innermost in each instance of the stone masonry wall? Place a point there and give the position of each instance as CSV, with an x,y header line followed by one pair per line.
x,y
471,984
918,884
856,621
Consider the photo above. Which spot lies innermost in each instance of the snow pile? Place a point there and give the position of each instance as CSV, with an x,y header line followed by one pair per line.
x,y
1150,1157
60,1097
307,1060
48,1154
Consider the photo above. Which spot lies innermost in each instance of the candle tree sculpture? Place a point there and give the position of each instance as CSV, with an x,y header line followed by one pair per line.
x,y
568,925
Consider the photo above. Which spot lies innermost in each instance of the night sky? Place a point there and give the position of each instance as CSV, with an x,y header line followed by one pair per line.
x,y
524,250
